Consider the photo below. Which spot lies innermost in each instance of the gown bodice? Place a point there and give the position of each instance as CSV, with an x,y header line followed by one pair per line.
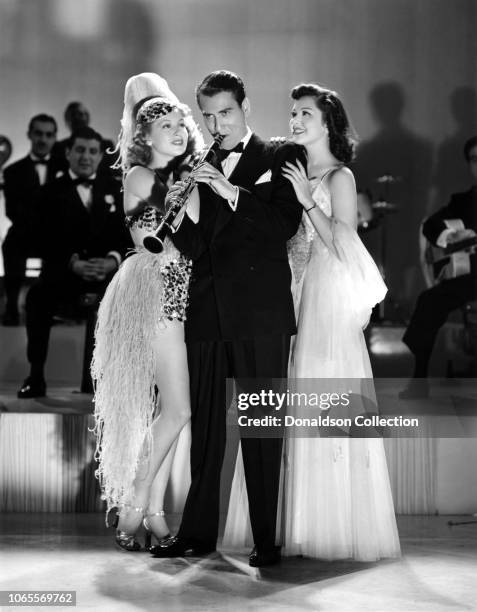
x,y
306,239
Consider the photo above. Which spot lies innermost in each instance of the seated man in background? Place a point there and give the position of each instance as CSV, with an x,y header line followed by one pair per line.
x,y
81,237
77,116
23,180
435,304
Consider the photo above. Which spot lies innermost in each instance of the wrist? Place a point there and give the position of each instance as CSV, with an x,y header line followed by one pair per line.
x,y
307,202
310,206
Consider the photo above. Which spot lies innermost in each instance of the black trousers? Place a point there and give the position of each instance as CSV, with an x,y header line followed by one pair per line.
x,y
210,363
15,253
49,297
432,309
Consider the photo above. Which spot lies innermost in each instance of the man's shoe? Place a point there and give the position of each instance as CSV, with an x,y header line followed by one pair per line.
x,y
263,558
32,388
418,388
180,547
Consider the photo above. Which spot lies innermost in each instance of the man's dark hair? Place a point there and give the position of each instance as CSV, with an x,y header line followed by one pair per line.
x,y
469,145
221,80
71,108
88,134
44,118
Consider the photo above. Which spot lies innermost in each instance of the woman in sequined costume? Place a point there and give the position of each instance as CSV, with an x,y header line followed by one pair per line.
x,y
140,353
337,500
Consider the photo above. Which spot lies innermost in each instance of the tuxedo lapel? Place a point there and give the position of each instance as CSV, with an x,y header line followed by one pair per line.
x,y
51,170
32,174
246,170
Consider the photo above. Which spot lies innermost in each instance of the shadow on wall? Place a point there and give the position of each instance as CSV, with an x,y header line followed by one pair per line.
x,y
396,151
451,173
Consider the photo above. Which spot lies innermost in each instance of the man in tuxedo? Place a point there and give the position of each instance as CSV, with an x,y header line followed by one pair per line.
x,y
435,304
23,180
240,316
76,117
81,237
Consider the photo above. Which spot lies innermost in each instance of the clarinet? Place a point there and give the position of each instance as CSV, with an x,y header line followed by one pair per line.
x,y
155,242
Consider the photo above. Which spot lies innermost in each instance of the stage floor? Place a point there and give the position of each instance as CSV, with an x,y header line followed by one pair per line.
x,y
76,552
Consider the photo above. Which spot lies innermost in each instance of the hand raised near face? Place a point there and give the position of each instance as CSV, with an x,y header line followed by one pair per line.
x,y
206,173
298,177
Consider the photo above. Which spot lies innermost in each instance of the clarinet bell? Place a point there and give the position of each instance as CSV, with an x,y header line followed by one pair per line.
x,y
153,244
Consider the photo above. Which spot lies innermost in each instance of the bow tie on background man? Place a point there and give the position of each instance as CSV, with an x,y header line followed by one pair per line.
x,y
84,182
223,153
40,162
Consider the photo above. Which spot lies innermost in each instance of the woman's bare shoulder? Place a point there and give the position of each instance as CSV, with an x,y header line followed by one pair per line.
x,y
139,180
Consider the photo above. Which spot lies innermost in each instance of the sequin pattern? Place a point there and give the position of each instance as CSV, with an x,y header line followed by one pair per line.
x,y
299,247
175,268
148,220
302,243
176,275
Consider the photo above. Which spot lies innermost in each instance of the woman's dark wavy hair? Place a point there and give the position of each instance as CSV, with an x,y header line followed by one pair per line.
x,y
140,153
340,133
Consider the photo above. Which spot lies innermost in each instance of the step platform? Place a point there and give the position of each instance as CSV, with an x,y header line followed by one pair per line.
x,y
47,454
47,445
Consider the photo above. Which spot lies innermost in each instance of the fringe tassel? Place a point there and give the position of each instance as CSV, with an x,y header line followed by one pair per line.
x,y
123,373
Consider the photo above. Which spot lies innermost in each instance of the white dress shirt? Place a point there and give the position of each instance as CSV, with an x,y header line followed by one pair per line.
x,y
85,192
40,168
229,164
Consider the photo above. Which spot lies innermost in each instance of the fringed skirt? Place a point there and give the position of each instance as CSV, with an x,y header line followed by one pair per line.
x,y
147,290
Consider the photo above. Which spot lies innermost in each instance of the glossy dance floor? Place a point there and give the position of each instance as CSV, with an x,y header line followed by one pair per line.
x,y
438,572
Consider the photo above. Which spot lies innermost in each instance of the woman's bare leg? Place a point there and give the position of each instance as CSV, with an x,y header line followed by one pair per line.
x,y
156,522
172,379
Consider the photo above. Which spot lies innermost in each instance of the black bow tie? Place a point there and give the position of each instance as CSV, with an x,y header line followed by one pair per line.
x,y
85,182
223,153
40,162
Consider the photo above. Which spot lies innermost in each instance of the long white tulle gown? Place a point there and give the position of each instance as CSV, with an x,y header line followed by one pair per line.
x,y
336,496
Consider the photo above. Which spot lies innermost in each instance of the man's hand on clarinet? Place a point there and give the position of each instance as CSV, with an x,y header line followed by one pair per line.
x,y
206,173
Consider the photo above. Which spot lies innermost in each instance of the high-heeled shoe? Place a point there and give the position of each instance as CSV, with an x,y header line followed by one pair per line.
x,y
127,541
149,531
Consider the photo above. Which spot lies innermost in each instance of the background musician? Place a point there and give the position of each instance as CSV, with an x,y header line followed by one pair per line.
x,y
435,304
81,238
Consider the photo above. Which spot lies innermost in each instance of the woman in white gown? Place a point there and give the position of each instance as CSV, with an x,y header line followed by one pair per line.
x,y
337,500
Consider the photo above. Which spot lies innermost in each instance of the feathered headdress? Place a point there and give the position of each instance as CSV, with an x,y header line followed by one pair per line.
x,y
139,87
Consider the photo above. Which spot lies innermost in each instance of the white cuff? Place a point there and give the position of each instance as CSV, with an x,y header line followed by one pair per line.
x,y
442,238
233,203
116,256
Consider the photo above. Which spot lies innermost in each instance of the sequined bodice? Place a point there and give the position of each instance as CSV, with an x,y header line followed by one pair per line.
x,y
148,219
175,268
306,239
150,212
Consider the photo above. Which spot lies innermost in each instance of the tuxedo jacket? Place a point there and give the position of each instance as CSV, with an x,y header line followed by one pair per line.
x,y
22,188
66,226
461,206
240,283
